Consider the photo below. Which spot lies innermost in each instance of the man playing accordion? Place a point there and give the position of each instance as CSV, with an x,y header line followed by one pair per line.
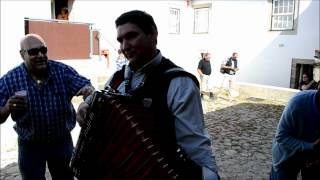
x,y
166,90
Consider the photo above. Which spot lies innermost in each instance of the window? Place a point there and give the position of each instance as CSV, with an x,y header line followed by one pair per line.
x,y
283,14
201,20
174,21
61,9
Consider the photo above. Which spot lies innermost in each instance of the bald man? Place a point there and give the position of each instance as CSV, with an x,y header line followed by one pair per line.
x,y
37,94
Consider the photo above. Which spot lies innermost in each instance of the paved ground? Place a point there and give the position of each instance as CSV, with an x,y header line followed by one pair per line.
x,y
241,130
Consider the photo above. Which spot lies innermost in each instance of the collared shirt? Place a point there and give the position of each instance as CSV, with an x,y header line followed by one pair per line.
x,y
50,113
184,102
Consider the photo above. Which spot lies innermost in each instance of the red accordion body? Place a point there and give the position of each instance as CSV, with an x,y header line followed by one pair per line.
x,y
119,141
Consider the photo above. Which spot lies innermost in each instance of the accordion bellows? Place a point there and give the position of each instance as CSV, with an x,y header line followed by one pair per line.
x,y
119,141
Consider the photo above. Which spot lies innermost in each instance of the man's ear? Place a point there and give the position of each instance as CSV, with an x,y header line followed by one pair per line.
x,y
154,36
22,54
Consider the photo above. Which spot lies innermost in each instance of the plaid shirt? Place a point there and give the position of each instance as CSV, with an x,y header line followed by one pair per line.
x,y
50,113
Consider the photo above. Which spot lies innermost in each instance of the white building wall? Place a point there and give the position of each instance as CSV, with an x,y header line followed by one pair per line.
x,y
12,30
243,26
265,56
179,48
106,12
12,27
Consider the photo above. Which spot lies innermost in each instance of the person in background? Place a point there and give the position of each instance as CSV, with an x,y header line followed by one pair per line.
x,y
296,145
231,66
64,14
204,70
176,102
307,83
37,94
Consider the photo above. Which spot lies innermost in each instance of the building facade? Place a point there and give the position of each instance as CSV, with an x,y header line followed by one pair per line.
x,y
269,35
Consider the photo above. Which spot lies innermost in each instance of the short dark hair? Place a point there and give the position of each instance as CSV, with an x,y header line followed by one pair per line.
x,y
65,9
140,18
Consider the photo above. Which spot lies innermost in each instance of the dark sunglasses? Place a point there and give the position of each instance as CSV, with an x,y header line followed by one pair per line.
x,y
35,51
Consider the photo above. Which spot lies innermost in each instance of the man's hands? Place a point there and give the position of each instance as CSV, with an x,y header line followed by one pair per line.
x,y
81,113
16,105
84,108
200,73
86,91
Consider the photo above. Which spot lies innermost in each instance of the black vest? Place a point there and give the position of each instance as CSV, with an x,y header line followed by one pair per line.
x,y
155,88
229,63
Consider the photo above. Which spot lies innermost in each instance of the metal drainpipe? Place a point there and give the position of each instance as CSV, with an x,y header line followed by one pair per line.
x,y
91,42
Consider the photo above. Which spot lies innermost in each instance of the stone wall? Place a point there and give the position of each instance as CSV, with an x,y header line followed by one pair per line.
x,y
266,92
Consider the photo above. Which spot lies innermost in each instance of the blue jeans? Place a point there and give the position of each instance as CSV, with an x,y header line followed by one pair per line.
x,y
34,156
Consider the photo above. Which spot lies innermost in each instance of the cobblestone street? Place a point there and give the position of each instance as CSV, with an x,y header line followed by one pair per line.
x,y
242,133
241,130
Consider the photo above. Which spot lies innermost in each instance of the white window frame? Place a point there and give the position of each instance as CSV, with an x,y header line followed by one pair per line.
x,y
283,15
201,20
174,21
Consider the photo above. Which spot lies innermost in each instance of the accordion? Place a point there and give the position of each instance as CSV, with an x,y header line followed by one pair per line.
x,y
118,141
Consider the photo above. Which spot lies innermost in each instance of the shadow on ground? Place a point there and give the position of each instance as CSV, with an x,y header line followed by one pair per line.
x,y
242,132
11,172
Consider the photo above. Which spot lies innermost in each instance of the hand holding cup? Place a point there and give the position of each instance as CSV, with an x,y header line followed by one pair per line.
x,y
18,103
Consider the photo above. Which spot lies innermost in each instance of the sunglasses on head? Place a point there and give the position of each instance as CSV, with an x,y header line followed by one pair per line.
x,y
35,51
